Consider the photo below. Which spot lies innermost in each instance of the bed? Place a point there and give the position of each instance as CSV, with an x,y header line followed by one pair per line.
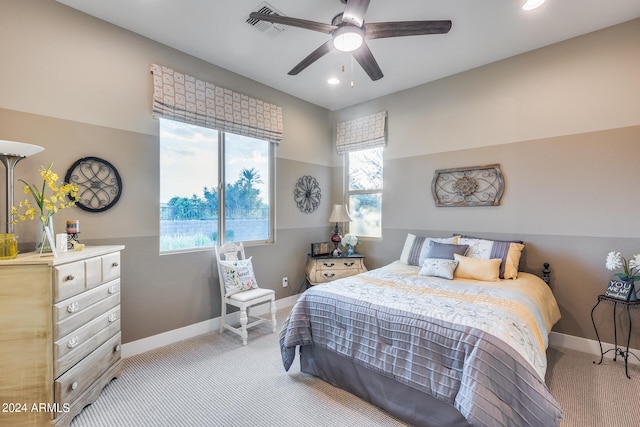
x,y
451,334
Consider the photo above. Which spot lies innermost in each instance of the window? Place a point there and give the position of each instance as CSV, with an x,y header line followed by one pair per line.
x,y
215,187
364,191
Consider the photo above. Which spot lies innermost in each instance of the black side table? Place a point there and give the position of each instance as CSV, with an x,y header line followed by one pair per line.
x,y
618,351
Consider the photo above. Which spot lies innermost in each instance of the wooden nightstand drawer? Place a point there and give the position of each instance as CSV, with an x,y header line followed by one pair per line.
x,y
326,269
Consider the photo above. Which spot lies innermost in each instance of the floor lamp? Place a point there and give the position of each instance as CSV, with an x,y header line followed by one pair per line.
x,y
10,154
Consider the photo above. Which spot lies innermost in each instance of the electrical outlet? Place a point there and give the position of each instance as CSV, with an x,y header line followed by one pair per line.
x,y
285,282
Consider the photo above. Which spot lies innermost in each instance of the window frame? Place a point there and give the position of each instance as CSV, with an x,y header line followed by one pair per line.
x,y
348,193
222,163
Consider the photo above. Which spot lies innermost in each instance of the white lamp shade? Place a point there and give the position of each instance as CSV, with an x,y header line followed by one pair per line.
x,y
19,149
340,213
348,38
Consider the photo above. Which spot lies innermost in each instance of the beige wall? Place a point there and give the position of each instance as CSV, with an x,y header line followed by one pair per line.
x,y
564,124
81,87
562,121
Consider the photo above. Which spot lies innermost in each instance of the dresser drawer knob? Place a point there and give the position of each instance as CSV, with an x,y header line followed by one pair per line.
x,y
116,348
329,264
69,278
73,307
349,264
329,275
73,342
113,289
115,264
113,317
74,385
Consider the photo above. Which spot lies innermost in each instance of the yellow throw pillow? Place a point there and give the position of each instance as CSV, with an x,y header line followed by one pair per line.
x,y
477,269
512,261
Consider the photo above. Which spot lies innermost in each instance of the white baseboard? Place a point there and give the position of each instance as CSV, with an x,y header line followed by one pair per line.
x,y
140,346
584,345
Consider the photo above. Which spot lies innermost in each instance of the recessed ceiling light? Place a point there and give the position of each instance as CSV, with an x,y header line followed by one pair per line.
x,y
333,81
532,4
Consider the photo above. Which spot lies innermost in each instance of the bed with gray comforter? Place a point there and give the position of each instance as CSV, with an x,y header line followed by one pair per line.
x,y
428,350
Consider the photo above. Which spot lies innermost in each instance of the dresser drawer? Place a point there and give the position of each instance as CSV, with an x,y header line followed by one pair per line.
x,y
93,272
72,348
76,380
68,280
73,313
110,266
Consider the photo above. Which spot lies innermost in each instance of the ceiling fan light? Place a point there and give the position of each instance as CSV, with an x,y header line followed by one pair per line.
x,y
347,38
532,4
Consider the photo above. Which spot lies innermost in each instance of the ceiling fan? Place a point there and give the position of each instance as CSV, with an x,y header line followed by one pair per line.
x,y
349,32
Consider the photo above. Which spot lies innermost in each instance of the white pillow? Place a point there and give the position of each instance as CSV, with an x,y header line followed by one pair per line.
x,y
237,276
438,267
415,248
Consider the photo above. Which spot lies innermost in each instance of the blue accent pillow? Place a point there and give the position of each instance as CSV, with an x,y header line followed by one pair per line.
x,y
445,250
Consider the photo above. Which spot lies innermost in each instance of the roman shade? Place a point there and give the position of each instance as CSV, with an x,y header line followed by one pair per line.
x,y
362,133
181,97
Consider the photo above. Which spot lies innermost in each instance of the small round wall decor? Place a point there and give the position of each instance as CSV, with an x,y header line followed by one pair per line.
x,y
98,181
307,194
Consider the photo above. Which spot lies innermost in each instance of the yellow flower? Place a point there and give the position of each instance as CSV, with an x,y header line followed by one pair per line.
x,y
45,207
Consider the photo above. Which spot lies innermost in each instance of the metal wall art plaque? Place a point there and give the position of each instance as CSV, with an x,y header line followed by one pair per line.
x,y
468,186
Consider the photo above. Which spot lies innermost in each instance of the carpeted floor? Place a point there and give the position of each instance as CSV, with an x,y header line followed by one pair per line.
x,y
212,380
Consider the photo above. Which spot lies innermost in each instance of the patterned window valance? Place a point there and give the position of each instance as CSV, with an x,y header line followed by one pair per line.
x,y
181,97
363,132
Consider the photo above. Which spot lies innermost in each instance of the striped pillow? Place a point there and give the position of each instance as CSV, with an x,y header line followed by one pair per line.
x,y
415,248
508,252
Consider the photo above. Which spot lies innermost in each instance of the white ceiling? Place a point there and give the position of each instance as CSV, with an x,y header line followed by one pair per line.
x,y
483,31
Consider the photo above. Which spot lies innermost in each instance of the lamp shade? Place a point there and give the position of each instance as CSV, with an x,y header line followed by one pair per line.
x,y
340,213
18,149
11,153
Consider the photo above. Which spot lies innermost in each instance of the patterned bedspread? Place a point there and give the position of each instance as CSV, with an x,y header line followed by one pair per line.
x,y
479,346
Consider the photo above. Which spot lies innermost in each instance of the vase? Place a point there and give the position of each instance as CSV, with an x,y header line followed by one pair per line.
x,y
44,236
349,249
8,246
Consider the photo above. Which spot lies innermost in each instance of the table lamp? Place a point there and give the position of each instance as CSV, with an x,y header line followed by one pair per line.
x,y
338,214
11,153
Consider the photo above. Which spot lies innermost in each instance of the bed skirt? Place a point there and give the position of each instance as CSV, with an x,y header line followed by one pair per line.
x,y
400,400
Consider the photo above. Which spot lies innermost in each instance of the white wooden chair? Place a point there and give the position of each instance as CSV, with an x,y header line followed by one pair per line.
x,y
244,300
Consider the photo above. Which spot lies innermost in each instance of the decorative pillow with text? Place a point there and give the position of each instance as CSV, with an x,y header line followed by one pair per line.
x,y
237,275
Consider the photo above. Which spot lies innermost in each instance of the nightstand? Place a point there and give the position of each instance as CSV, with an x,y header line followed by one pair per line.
x,y
326,268
618,351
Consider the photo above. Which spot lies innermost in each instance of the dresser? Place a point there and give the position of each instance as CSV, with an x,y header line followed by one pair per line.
x,y
59,333
322,269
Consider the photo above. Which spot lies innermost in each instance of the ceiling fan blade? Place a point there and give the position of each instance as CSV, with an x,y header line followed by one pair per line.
x,y
312,57
365,58
355,11
294,22
380,30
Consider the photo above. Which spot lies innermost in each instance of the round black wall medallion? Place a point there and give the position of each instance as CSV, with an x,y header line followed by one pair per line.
x,y
307,194
98,181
